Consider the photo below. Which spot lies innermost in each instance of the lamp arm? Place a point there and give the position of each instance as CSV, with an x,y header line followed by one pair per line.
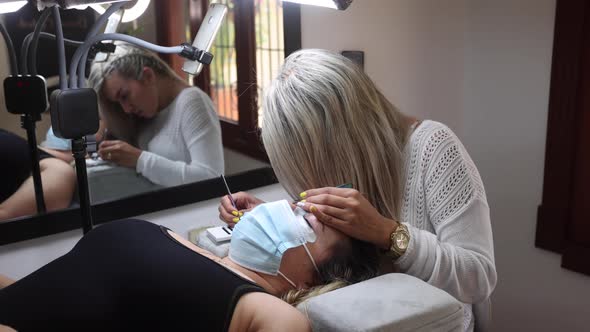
x,y
93,32
81,53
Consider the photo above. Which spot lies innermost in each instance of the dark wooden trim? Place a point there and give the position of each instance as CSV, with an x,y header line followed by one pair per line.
x,y
169,31
167,198
575,258
554,212
563,223
577,245
246,67
291,27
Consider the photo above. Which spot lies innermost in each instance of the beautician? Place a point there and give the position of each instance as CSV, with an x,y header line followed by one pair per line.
x,y
417,193
166,130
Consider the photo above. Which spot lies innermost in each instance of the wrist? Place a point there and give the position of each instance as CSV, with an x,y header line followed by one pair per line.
x,y
389,226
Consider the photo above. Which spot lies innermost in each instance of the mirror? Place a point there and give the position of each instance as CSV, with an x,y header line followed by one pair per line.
x,y
118,191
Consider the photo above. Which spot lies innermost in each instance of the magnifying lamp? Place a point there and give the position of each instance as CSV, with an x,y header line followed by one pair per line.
x,y
335,4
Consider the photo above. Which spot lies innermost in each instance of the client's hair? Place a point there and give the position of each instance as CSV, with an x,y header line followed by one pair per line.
x,y
352,262
325,123
129,62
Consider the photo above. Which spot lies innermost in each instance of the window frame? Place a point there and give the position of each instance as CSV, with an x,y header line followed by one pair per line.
x,y
563,221
244,136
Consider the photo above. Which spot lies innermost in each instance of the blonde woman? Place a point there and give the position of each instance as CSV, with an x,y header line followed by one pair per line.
x,y
417,194
166,130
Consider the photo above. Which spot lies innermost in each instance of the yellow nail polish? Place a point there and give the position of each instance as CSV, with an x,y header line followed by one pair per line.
x,y
235,213
302,201
236,219
241,214
303,194
312,208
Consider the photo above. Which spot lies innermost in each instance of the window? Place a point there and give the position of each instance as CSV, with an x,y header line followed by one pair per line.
x,y
249,49
563,223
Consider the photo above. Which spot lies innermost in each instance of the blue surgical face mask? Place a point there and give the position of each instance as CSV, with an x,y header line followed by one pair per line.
x,y
54,142
263,235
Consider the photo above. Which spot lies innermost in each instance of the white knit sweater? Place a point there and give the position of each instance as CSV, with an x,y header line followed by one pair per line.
x,y
446,211
182,144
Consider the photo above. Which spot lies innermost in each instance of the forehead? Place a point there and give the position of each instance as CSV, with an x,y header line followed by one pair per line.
x,y
112,84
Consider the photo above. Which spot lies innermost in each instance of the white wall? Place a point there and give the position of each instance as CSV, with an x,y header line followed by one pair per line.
x,y
506,100
482,67
410,49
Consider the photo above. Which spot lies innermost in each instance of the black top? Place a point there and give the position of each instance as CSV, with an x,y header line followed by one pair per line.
x,y
128,275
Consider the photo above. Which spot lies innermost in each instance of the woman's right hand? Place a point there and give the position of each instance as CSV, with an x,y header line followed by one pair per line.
x,y
244,202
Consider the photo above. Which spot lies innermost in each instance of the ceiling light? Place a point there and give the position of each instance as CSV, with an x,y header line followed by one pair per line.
x,y
11,6
130,14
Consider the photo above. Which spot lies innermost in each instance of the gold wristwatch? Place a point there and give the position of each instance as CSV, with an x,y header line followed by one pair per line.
x,y
400,239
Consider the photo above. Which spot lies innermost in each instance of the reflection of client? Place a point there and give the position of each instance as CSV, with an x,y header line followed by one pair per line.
x,y
17,192
135,275
169,132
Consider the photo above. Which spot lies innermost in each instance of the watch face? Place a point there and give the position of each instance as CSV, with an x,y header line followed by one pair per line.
x,y
401,241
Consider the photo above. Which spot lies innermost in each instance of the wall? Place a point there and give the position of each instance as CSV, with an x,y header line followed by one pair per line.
x,y
482,67
405,42
506,99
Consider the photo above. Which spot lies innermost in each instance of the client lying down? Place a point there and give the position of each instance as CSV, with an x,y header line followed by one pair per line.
x,y
135,275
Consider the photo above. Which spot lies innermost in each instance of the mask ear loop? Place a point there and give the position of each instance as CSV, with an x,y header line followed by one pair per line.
x,y
311,258
312,262
288,280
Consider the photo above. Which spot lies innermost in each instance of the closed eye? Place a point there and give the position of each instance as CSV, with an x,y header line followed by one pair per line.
x,y
307,221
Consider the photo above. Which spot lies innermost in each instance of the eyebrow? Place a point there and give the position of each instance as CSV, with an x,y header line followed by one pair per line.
x,y
307,221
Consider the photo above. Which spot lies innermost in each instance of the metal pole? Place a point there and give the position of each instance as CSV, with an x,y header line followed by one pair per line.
x,y
79,153
28,123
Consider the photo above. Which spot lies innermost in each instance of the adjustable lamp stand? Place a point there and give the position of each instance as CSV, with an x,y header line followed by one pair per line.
x,y
26,95
27,122
79,153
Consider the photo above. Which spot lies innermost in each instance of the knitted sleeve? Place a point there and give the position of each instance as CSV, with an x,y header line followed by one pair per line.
x,y
200,131
458,257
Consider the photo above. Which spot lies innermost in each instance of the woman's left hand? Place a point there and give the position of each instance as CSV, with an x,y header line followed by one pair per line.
x,y
119,152
350,212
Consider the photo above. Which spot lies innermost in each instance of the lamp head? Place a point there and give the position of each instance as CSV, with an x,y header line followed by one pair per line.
x,y
11,6
342,4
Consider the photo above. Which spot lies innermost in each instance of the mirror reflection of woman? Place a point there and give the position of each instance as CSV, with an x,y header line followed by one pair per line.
x,y
166,130
416,192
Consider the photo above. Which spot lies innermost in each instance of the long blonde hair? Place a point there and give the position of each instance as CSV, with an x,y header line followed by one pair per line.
x,y
325,123
129,62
